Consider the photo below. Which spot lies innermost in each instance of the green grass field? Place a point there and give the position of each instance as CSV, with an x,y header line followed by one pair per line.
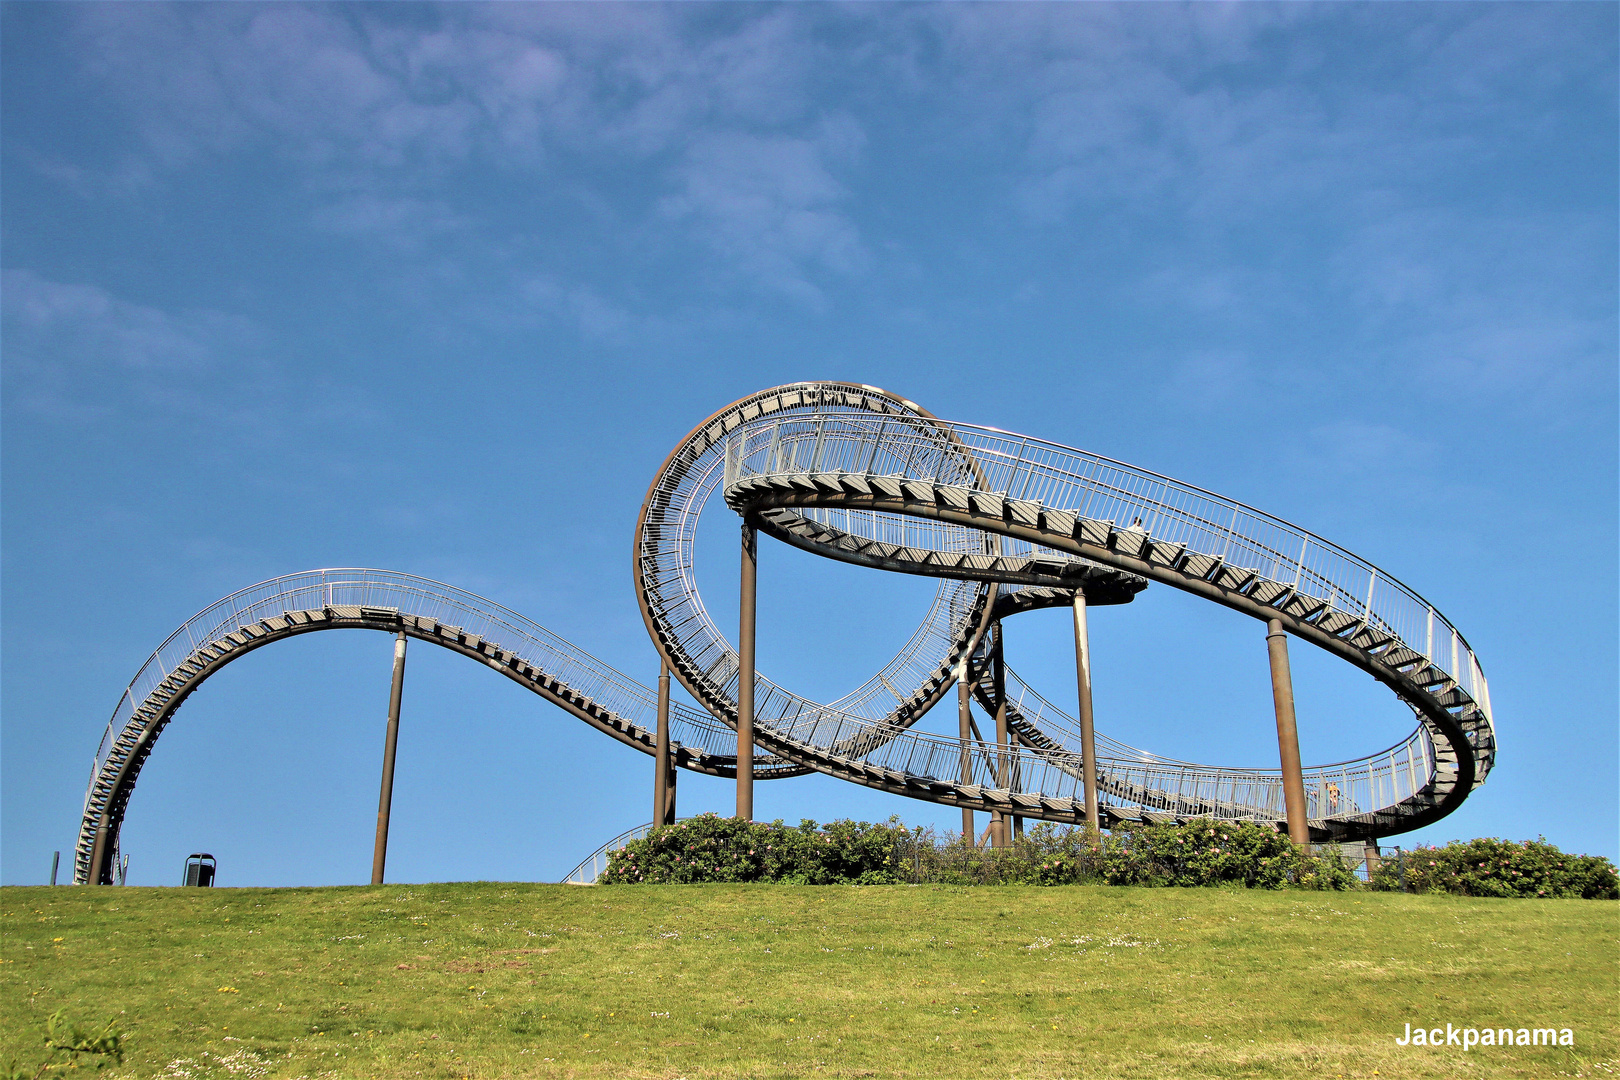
x,y
491,980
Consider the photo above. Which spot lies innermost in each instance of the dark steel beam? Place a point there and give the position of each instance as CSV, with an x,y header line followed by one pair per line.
x,y
1001,834
964,717
385,799
1082,674
669,794
1282,696
662,793
745,671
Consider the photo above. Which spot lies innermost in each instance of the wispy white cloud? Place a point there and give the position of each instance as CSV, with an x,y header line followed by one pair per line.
x,y
402,221
1474,307
71,349
772,205
377,110
80,354
596,317
1239,134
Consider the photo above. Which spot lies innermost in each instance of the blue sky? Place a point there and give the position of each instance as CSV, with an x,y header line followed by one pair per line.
x,y
435,289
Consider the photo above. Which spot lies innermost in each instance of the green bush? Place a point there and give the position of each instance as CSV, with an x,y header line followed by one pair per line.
x,y
1199,853
1191,854
1490,867
1206,852
1196,853
713,848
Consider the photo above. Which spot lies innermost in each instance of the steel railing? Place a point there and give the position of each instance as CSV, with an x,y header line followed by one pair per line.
x,y
384,590
702,653
1101,489
593,866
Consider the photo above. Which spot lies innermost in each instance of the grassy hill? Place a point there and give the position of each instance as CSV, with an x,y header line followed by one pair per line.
x,y
493,980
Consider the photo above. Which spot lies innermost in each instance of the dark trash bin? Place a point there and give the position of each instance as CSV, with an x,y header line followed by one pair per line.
x,y
200,869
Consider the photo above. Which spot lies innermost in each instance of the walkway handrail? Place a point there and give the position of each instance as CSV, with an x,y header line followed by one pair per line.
x,y
869,490
593,866
379,600
363,587
1099,488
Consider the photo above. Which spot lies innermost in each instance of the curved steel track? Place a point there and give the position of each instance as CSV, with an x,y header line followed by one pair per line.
x,y
1007,524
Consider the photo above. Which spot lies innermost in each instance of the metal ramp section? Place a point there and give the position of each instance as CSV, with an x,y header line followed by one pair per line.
x,y
1131,782
365,599
593,866
835,482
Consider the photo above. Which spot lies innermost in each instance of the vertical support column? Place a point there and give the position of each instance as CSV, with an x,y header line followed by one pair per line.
x,y
964,718
1000,830
1282,696
745,671
98,853
669,793
1018,783
385,800
56,858
663,768
1088,738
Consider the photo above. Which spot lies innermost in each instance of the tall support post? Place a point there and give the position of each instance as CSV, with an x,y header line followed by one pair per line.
x,y
1000,827
56,859
669,792
1018,782
663,767
1088,736
1282,696
964,718
385,800
98,853
745,671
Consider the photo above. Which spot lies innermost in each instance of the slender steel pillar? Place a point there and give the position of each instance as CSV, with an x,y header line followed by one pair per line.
x,y
669,793
98,853
385,799
663,768
1017,783
1000,832
1088,738
745,672
964,716
1282,696
56,858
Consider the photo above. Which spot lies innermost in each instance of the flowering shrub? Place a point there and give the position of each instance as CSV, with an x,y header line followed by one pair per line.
x,y
1196,853
1209,852
713,848
1489,867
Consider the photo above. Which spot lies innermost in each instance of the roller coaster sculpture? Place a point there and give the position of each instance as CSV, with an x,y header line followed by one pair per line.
x,y
1007,524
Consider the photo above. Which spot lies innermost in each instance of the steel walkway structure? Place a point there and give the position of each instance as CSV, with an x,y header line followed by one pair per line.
x,y
1007,524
